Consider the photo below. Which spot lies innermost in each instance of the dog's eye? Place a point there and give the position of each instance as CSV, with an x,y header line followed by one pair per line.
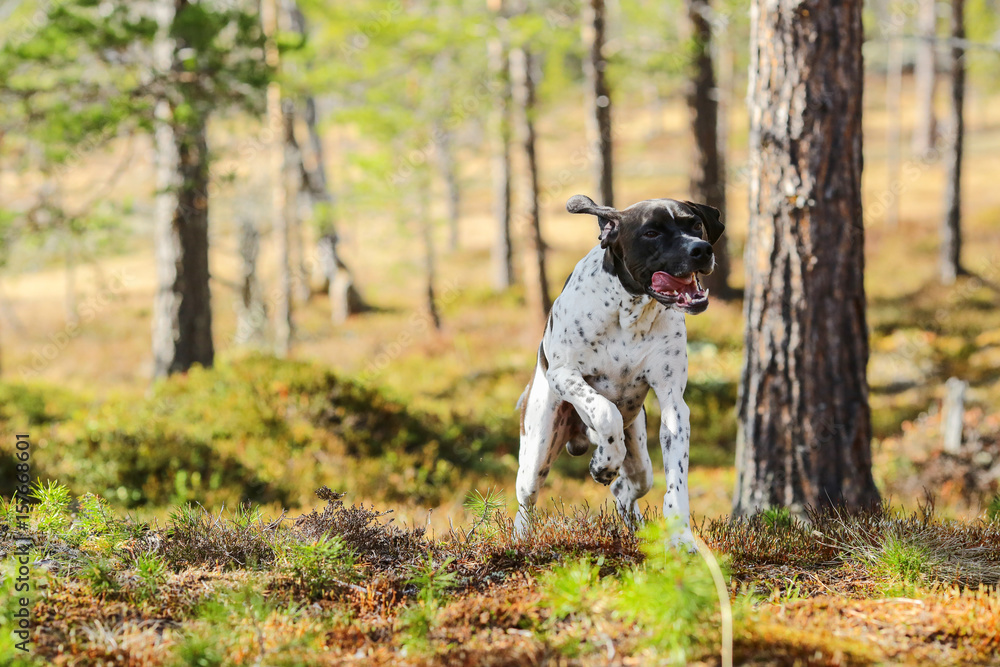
x,y
697,227
651,234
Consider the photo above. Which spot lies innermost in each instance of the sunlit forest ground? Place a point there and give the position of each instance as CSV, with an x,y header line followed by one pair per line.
x,y
398,416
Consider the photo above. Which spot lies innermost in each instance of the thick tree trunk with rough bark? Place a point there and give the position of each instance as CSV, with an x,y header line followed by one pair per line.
x,y
499,129
925,78
523,77
182,309
708,176
804,419
951,229
599,98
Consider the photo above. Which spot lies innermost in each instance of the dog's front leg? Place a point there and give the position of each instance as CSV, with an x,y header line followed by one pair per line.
x,y
675,440
599,414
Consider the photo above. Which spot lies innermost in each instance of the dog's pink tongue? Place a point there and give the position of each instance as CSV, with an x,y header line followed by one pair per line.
x,y
664,282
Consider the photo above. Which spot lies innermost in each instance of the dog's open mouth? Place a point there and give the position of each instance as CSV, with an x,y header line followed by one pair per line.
x,y
683,291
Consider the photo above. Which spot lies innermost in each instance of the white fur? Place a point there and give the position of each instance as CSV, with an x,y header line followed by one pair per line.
x,y
605,350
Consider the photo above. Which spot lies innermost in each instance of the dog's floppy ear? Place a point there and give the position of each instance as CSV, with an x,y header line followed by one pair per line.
x,y
711,217
607,217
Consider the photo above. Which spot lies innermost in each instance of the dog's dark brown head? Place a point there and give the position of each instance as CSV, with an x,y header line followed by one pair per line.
x,y
658,247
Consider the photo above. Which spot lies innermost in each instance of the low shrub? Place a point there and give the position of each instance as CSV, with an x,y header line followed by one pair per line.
x,y
251,429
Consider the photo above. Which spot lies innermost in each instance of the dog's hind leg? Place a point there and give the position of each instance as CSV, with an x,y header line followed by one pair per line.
x,y
545,427
636,477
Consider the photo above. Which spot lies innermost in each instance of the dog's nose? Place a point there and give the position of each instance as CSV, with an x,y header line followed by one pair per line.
x,y
701,250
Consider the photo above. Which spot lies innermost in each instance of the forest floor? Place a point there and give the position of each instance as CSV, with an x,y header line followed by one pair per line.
x,y
345,585
420,422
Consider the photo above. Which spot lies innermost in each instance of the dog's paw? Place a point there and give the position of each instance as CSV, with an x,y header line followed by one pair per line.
x,y
603,473
683,541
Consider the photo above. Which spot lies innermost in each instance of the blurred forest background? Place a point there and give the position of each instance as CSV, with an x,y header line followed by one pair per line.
x,y
370,199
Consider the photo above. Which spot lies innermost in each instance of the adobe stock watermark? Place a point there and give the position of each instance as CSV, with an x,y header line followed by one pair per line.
x,y
95,306
21,559
418,324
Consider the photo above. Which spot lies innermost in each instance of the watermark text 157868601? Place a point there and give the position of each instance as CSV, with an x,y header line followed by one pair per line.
x,y
23,542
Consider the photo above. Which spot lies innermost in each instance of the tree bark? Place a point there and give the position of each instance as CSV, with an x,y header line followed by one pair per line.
x,y
804,419
893,96
291,179
499,128
449,173
430,264
277,120
182,310
599,98
345,300
951,230
925,78
523,77
338,281
72,312
708,176
251,314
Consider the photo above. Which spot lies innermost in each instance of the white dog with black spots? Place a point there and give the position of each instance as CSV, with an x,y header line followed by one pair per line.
x,y
616,331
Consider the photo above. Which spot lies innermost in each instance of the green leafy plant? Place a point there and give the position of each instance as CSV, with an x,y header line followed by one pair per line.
x,y
318,566
101,575
777,518
432,579
51,510
993,510
671,596
484,507
151,570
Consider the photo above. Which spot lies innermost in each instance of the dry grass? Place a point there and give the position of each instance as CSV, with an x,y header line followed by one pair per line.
x,y
824,593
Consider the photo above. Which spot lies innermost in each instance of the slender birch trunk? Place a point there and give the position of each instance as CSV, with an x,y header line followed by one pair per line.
x,y
283,324
893,95
499,129
708,176
430,262
598,98
523,78
951,229
925,78
251,314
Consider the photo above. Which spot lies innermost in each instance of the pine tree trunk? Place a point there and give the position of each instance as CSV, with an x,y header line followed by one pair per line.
x,y
599,98
951,229
925,78
804,420
499,128
523,78
182,310
708,178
